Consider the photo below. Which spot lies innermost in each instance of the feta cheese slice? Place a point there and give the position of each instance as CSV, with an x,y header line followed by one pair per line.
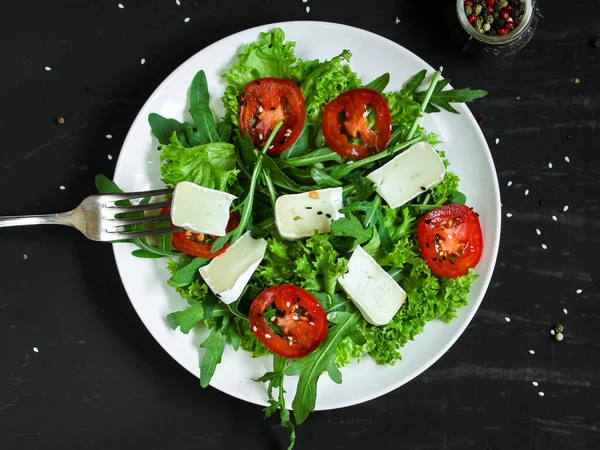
x,y
200,209
299,215
374,292
227,274
409,174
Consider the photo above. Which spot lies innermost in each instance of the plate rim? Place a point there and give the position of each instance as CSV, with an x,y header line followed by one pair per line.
x,y
462,108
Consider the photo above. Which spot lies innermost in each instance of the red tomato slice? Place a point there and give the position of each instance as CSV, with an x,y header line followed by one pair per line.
x,y
450,239
266,101
298,314
345,118
193,244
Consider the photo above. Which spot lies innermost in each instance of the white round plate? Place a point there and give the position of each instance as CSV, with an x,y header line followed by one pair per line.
x,y
138,169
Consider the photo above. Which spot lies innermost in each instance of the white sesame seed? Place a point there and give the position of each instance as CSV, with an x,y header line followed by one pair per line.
x,y
554,218
288,304
24,255
541,394
552,332
62,188
109,157
537,230
497,141
271,146
567,159
508,215
48,69
578,291
526,191
143,61
509,183
549,165
295,317
267,335
109,136
307,9
177,2
288,131
312,324
366,114
254,329
566,208
544,246
290,342
441,68
273,319
532,352
186,20
535,383
304,1
518,98
260,136
559,336
260,109
507,319
121,6
565,310
35,349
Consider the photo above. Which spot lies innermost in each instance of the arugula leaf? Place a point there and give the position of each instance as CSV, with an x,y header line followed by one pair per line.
x,y
379,83
442,99
458,197
200,111
310,368
214,345
300,145
163,128
224,129
185,275
275,381
280,178
146,254
414,82
209,165
350,226
323,179
186,319
314,157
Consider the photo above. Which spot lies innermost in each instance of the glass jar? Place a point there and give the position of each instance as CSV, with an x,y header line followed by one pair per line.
x,y
483,45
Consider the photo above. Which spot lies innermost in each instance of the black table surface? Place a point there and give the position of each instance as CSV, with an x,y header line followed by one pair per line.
x,y
78,368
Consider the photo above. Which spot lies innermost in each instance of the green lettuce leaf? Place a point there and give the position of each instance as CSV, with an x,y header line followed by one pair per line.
x,y
209,165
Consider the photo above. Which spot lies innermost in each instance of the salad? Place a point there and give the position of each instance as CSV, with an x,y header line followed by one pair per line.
x,y
318,222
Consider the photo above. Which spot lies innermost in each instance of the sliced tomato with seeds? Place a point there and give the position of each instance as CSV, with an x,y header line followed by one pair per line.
x,y
297,314
266,101
450,239
345,126
197,244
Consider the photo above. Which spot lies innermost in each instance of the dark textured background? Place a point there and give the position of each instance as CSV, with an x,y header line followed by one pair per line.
x,y
99,379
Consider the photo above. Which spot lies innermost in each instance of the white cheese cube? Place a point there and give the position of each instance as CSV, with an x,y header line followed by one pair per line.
x,y
227,274
374,292
409,174
200,209
299,215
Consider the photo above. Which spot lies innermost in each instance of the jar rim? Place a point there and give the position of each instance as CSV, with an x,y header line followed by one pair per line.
x,y
494,40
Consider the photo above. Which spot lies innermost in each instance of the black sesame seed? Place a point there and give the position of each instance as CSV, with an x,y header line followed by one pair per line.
x,y
423,188
159,147
328,216
283,141
272,108
427,221
257,82
444,257
427,244
434,258
309,207
243,94
319,213
437,237
218,295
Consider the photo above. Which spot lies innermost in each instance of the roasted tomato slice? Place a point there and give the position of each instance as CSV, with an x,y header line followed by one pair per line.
x,y
450,239
266,101
345,126
196,244
297,314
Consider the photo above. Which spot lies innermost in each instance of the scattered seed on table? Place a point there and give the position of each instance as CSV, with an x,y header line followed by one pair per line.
x,y
552,332
60,120
554,218
509,215
532,352
497,140
177,2
48,69
537,230
566,208
24,256
578,291
186,20
549,165
62,188
567,159
143,61
109,136
121,6
577,81
307,9
509,183
535,383
35,349
304,1
595,42
565,310
109,157
507,319
397,19
559,336
526,191
541,394
544,246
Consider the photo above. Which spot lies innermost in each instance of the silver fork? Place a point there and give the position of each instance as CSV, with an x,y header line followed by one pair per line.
x,y
95,217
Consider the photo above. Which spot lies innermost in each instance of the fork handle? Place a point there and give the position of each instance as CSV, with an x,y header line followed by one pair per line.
x,y
42,219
